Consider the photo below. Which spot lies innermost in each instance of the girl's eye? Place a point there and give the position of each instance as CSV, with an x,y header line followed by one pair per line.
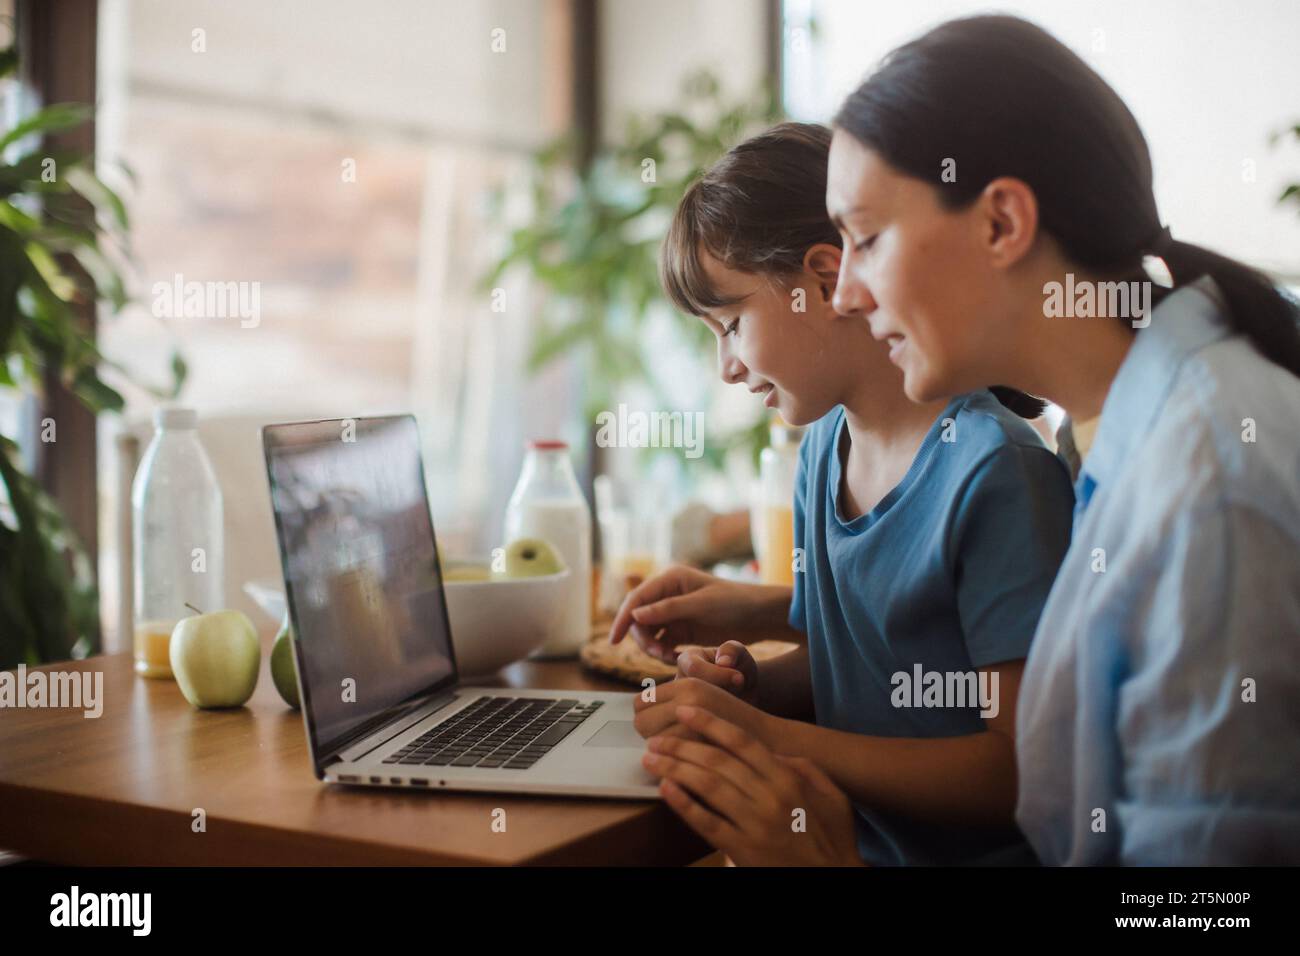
x,y
728,329
865,244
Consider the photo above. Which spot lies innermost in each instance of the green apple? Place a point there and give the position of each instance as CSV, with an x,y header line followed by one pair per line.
x,y
284,672
530,558
466,572
215,658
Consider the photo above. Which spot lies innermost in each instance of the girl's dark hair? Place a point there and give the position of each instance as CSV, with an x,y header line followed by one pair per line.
x,y
1003,97
759,209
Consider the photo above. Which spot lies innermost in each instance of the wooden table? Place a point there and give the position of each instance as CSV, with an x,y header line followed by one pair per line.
x,y
123,788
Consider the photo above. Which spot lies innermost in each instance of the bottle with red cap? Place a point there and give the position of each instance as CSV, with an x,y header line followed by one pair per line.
x,y
548,503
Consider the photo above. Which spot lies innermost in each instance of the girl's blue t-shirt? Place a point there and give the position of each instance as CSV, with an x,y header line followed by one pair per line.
x,y
902,605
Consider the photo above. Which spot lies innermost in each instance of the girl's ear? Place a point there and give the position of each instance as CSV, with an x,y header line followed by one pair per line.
x,y
822,264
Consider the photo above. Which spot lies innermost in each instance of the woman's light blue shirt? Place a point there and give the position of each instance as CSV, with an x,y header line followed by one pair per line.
x,y
1159,717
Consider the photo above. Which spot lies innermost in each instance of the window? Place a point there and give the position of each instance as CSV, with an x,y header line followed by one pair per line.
x,y
330,167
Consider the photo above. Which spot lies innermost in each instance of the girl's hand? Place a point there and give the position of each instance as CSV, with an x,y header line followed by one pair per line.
x,y
658,716
758,808
730,667
686,606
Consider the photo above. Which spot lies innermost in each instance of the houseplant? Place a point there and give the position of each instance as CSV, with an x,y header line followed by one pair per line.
x,y
592,241
54,260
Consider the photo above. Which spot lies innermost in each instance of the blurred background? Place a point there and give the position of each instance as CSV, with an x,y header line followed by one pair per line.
x,y
444,208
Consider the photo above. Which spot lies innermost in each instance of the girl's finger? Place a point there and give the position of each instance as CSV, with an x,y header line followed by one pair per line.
x,y
647,592
649,639
666,610
691,664
730,652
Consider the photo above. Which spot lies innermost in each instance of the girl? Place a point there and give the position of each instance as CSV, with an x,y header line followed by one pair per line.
x,y
928,538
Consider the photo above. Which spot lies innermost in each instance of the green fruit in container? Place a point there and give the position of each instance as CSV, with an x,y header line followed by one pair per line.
x,y
530,558
215,658
284,672
466,572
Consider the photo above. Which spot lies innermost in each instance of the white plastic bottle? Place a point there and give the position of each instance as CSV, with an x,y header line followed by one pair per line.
x,y
548,504
177,510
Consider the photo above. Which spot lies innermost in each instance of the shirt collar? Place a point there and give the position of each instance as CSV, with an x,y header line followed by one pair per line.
x,y
1189,318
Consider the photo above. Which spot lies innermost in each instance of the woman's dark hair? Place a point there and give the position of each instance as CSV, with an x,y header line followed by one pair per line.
x,y
759,209
1002,97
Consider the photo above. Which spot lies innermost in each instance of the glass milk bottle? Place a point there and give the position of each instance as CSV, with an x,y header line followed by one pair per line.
x,y
774,530
177,511
548,504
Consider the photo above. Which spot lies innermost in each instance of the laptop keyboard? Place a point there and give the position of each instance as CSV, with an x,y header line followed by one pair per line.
x,y
512,733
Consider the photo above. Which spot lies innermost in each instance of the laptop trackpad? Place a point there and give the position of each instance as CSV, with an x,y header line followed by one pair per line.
x,y
616,733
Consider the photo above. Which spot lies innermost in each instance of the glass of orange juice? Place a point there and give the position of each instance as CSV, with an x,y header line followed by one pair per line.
x,y
153,648
634,535
772,511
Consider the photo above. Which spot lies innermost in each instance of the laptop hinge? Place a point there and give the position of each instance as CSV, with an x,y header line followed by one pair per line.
x,y
369,738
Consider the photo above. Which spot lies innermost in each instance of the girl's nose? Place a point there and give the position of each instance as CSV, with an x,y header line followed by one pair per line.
x,y
730,367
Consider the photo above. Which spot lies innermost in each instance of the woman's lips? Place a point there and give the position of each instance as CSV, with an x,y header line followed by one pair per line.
x,y
896,343
768,392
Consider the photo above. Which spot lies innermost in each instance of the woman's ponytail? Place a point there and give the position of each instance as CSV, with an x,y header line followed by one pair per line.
x,y
1256,307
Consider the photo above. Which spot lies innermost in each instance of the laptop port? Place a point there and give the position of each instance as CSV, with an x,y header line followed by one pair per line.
x,y
376,779
394,779
417,782
348,778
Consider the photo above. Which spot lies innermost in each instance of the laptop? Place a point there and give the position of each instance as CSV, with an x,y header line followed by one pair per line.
x,y
381,697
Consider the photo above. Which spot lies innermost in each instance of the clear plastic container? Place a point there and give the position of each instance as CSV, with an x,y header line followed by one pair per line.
x,y
773,520
179,554
547,503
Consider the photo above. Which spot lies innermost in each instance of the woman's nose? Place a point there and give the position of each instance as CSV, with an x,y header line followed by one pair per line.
x,y
852,297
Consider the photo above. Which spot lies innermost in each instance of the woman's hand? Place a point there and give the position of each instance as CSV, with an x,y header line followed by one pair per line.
x,y
686,606
759,808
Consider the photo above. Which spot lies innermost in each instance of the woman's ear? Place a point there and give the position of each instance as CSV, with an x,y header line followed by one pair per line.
x,y
1008,210
821,263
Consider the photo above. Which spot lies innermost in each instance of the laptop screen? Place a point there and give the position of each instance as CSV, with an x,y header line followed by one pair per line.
x,y
360,567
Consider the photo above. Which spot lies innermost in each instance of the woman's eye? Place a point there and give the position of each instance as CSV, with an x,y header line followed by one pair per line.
x,y
730,327
865,244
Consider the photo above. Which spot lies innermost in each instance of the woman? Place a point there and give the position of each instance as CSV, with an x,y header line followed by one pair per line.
x,y
1158,719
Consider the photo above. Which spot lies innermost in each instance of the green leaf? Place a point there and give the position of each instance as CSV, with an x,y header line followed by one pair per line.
x,y
180,371
51,119
94,394
103,198
27,173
